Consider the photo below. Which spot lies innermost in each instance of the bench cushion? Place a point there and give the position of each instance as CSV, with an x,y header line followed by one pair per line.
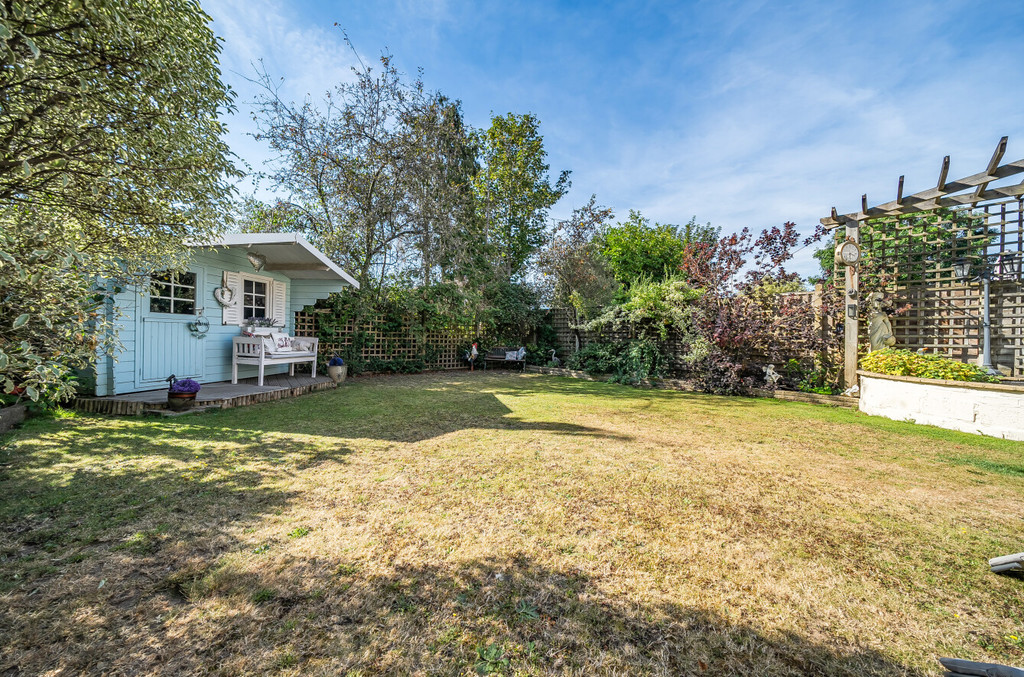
x,y
291,353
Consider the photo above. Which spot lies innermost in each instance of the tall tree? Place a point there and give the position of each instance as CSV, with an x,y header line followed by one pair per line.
x,y
112,158
573,271
109,118
637,248
449,240
515,190
342,166
379,176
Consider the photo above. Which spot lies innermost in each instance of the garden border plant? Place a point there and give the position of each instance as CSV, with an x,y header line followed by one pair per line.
x,y
902,362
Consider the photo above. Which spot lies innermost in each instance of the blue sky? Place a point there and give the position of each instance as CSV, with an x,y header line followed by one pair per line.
x,y
739,113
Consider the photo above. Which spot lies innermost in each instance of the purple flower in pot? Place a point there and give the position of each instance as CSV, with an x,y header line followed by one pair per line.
x,y
182,393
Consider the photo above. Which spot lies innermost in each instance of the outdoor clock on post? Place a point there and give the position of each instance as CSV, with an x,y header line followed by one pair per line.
x,y
848,253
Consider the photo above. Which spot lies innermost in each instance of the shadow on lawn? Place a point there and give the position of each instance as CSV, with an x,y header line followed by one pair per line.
x,y
73,495
509,615
530,384
391,409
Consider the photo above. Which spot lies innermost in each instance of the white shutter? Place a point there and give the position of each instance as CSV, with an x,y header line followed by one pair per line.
x,y
232,313
277,302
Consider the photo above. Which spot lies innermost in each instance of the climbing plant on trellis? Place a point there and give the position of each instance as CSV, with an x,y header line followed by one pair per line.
x,y
381,346
926,252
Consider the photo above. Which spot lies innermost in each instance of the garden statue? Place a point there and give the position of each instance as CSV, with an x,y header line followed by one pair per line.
x,y
555,362
771,377
879,327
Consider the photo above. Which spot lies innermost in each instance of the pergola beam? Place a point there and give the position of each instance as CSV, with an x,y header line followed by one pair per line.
x,y
993,164
944,196
943,172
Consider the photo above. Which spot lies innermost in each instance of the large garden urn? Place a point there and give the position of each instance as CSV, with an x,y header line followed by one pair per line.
x,y
337,370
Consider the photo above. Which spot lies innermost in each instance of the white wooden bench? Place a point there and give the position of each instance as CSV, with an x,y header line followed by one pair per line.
x,y
252,350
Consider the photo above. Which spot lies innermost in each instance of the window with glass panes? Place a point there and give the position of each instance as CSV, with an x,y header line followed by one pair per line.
x,y
254,299
172,292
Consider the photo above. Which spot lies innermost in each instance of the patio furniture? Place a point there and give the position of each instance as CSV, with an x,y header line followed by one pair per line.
x,y
1007,563
956,667
505,355
263,351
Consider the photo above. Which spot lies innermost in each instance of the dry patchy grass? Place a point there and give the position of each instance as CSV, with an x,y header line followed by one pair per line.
x,y
458,524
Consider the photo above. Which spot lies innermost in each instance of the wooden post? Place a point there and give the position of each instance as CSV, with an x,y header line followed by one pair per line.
x,y
851,303
821,325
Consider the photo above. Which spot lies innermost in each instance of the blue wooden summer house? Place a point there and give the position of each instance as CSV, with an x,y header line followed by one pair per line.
x,y
183,323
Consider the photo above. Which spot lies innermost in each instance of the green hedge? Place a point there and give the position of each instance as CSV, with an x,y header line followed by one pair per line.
x,y
899,362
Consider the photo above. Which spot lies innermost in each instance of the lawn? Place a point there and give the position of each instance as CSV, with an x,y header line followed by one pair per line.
x,y
517,524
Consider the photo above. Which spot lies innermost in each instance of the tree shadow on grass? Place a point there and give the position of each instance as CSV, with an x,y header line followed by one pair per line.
x,y
75,493
391,409
511,616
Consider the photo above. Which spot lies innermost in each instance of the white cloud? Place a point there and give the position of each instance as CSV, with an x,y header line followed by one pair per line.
x,y
268,34
758,113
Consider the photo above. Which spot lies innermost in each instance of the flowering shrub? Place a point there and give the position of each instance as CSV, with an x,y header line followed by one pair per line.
x,y
900,362
185,385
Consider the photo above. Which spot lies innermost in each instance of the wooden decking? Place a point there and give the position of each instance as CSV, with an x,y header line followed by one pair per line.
x,y
223,395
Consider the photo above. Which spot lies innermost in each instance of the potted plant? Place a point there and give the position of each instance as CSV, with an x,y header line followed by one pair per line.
x,y
182,393
337,369
254,323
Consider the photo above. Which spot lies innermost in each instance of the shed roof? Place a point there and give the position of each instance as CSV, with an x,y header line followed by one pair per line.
x,y
290,254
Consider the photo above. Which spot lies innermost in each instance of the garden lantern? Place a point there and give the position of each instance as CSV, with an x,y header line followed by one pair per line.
x,y
1009,265
962,269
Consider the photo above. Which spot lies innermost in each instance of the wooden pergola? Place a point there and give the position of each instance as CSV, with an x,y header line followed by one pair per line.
x,y
965,193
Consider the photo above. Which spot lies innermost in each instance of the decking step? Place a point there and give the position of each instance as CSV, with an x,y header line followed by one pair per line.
x,y
169,413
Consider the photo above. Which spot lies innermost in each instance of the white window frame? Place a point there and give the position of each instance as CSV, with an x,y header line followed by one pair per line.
x,y
267,296
277,299
174,299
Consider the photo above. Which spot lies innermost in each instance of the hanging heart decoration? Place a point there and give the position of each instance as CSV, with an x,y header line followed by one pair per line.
x,y
257,260
225,296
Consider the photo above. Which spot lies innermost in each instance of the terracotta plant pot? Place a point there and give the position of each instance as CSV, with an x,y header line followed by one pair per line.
x,y
180,401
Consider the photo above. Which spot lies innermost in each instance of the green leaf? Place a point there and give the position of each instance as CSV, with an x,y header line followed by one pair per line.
x,y
32,393
21,321
5,32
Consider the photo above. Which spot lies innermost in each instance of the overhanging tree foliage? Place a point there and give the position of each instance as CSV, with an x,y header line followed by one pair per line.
x,y
112,159
574,274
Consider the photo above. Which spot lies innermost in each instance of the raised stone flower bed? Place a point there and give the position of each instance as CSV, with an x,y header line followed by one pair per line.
x,y
994,409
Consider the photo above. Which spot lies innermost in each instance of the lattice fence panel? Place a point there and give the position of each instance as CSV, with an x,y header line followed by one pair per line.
x,y
441,350
915,263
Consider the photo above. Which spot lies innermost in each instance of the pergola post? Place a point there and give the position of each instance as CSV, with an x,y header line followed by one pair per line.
x,y
851,301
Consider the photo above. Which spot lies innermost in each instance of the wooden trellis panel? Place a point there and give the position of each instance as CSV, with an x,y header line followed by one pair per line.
x,y
915,266
561,320
926,259
442,349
